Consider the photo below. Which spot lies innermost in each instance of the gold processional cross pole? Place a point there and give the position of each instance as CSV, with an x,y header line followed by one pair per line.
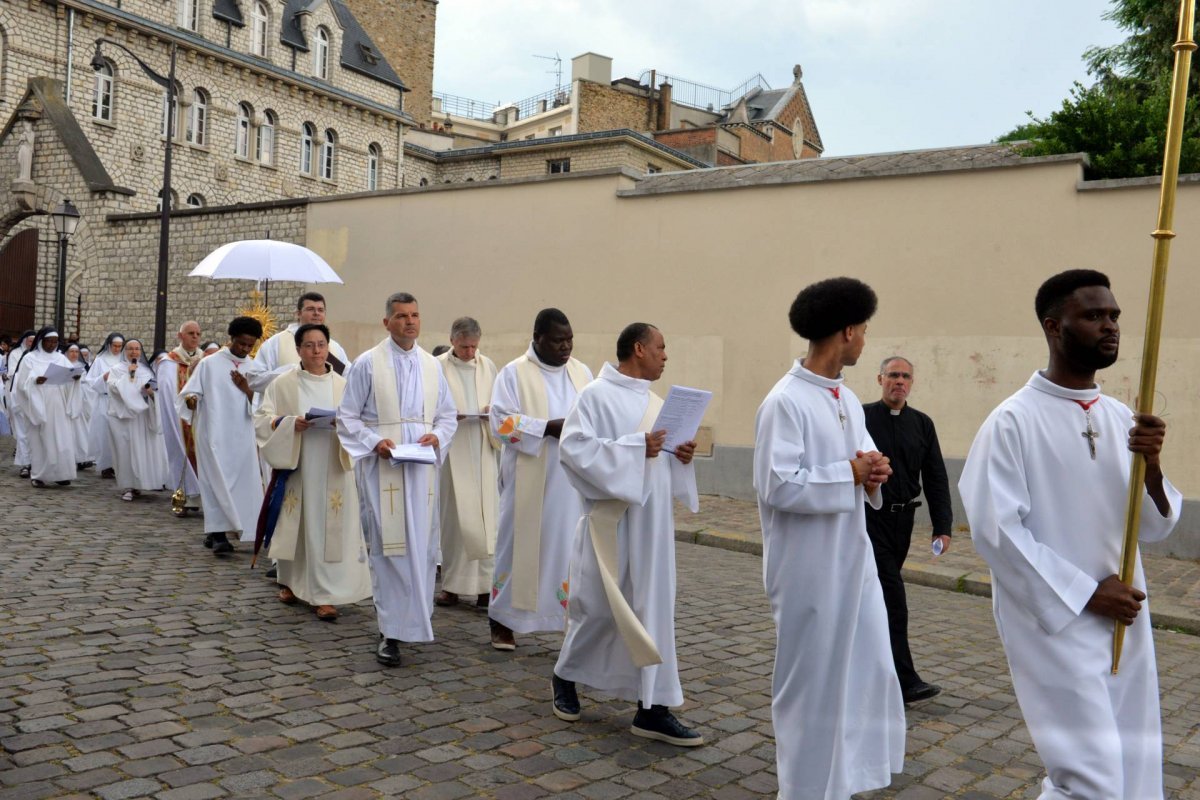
x,y
1163,235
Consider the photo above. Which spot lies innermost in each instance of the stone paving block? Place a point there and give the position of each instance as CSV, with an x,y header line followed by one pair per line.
x,y
138,787
197,791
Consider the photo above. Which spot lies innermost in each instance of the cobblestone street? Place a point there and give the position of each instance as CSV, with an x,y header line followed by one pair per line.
x,y
134,664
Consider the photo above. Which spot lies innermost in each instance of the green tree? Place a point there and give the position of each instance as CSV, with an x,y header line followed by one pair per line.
x,y
1120,121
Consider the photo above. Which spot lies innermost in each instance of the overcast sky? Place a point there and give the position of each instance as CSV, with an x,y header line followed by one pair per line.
x,y
881,75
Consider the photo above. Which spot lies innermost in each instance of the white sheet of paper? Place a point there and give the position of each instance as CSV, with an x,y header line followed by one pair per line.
x,y
413,454
681,415
321,418
58,374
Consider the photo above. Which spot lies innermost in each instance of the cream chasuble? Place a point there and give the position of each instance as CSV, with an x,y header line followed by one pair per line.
x,y
473,469
1049,519
318,536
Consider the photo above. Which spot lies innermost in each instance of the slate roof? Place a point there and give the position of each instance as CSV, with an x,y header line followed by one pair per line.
x,y
764,105
359,53
229,11
950,159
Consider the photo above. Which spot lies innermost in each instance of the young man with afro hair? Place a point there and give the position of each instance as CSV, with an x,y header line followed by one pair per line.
x,y
836,705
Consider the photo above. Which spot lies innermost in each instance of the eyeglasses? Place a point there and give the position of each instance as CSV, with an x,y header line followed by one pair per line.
x,y
893,376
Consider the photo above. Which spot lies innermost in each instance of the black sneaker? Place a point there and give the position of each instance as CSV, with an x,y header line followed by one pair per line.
x,y
657,722
920,691
566,701
221,545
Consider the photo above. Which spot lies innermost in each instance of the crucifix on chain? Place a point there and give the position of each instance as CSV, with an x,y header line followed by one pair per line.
x,y
1091,434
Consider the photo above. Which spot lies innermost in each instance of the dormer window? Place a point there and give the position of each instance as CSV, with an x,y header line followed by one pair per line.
x,y
321,53
259,24
368,55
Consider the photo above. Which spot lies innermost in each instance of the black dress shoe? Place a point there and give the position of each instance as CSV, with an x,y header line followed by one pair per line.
x,y
208,540
388,652
482,601
273,572
920,691
62,483
657,722
566,701
108,473
24,472
221,545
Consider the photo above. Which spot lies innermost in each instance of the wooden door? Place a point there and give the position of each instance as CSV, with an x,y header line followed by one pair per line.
x,y
18,283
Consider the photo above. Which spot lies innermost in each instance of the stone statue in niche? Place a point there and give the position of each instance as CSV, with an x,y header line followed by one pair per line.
x,y
25,152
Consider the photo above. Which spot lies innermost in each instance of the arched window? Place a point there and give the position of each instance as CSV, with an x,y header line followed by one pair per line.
x,y
321,53
259,24
328,154
174,200
197,129
102,92
241,146
196,201
307,135
264,149
374,156
189,14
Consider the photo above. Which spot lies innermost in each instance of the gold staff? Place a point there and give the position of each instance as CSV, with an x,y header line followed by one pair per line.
x,y
1163,235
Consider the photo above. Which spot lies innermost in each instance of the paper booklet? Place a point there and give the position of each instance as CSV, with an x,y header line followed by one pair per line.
x,y
413,454
321,418
57,374
681,415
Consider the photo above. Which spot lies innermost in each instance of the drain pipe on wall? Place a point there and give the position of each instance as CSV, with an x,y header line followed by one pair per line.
x,y
70,52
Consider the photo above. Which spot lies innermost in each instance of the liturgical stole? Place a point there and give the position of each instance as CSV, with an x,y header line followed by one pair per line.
x,y
391,426
603,521
530,481
476,516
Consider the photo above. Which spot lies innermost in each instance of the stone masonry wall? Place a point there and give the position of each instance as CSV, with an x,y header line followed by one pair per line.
x,y
603,108
404,31
583,158
121,295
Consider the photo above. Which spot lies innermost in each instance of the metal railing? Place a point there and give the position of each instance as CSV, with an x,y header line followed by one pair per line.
x,y
484,110
700,95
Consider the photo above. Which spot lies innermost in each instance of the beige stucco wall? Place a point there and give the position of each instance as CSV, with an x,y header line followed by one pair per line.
x,y
955,257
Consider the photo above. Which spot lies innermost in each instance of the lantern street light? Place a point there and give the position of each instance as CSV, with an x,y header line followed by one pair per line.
x,y
66,220
164,232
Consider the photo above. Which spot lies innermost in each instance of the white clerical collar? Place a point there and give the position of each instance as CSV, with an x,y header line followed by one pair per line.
x,y
610,373
533,356
801,372
1043,384
458,362
400,351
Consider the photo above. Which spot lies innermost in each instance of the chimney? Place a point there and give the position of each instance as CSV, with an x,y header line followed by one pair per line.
x,y
592,67
664,107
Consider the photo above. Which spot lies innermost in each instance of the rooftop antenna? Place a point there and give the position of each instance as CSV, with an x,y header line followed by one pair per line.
x,y
557,59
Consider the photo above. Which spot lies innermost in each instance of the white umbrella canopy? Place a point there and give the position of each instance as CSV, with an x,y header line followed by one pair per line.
x,y
265,259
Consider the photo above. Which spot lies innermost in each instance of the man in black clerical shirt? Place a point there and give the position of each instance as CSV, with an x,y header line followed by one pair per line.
x,y
908,438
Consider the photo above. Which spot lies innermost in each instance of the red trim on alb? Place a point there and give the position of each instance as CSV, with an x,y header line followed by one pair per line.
x,y
1088,404
837,393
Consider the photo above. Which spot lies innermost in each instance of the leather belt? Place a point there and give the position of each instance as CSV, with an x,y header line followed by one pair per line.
x,y
896,508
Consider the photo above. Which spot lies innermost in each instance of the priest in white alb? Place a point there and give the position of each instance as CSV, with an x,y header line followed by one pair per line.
x,y
47,411
467,491
836,701
621,617
1045,487
396,395
280,351
173,373
135,425
216,401
539,508
317,538
97,382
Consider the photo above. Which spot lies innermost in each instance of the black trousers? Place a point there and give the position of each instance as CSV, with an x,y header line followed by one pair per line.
x,y
891,534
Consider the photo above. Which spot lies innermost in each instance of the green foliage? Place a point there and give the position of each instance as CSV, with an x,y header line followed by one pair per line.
x,y
1121,120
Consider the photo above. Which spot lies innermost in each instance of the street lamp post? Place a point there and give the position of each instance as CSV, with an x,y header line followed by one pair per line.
x,y
164,232
66,220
